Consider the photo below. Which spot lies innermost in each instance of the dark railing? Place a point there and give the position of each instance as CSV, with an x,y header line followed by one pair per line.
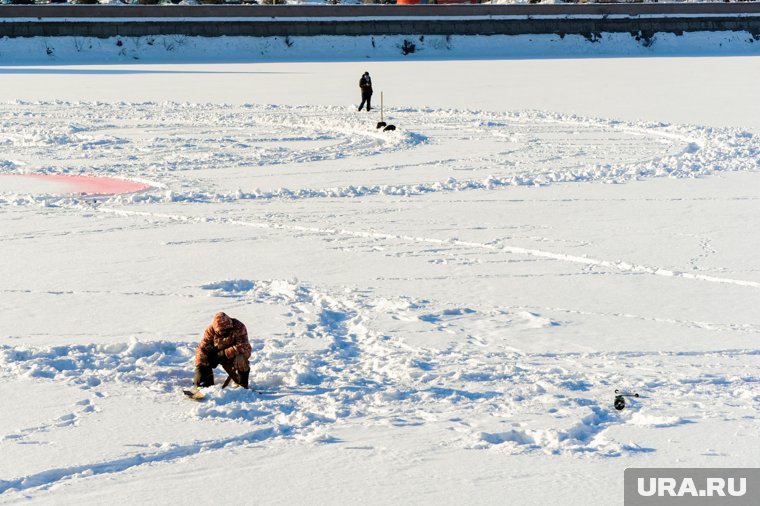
x,y
586,19
233,8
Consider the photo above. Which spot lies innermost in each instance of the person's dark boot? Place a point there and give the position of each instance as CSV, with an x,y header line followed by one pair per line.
x,y
204,376
243,379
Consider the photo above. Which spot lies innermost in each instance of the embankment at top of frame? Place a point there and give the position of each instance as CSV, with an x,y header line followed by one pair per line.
x,y
105,21
371,11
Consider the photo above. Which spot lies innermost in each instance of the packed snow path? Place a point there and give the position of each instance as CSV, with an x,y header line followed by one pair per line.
x,y
390,280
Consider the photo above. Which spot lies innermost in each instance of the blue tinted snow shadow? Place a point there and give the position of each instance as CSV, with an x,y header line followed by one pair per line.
x,y
437,317
472,396
577,386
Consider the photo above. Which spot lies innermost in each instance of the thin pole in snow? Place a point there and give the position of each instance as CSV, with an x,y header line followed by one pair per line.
x,y
381,106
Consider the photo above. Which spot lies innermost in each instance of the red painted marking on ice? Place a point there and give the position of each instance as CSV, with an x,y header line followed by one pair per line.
x,y
90,185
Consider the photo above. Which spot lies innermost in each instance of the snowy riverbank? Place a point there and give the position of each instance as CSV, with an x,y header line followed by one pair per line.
x,y
185,49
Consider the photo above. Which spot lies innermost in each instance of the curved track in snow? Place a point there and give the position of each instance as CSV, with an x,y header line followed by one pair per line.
x,y
210,152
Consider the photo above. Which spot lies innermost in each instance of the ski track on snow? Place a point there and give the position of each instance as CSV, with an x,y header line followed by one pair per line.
x,y
620,265
50,477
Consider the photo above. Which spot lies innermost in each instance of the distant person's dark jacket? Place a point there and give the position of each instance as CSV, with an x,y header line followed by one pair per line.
x,y
365,83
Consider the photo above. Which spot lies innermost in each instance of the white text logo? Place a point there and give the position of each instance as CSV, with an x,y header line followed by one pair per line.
x,y
671,487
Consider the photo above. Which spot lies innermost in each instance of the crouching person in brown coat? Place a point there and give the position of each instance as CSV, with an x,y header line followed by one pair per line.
x,y
225,343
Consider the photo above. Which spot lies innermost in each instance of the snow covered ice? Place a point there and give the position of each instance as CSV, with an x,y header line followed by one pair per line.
x,y
438,315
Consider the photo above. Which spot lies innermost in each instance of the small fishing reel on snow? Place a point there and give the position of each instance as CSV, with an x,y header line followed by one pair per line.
x,y
620,399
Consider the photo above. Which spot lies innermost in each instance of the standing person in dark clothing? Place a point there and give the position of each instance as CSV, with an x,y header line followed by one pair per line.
x,y
365,83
